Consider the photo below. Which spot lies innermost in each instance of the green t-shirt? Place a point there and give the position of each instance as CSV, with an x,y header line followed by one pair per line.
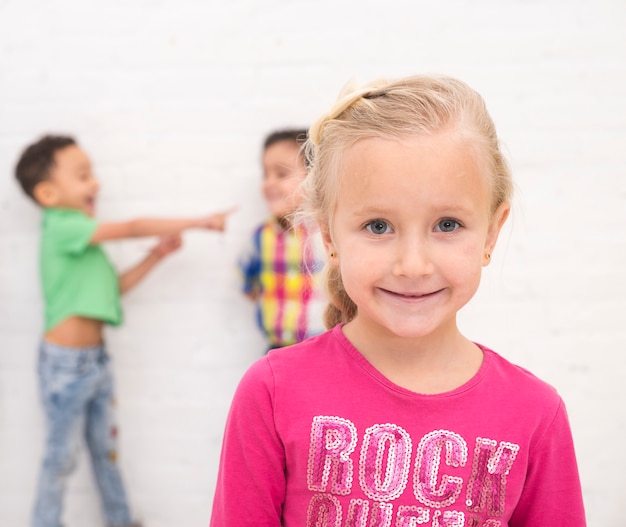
x,y
78,279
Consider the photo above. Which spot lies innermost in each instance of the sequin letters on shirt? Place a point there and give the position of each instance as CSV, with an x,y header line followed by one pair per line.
x,y
442,499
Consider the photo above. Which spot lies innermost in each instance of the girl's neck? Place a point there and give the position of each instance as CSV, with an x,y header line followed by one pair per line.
x,y
436,363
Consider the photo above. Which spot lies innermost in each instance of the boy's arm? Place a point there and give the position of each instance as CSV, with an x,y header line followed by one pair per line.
x,y
157,227
167,245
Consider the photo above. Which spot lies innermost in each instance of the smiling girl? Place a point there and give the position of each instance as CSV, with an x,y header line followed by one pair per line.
x,y
393,417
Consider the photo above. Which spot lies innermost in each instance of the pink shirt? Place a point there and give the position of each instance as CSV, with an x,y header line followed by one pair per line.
x,y
316,437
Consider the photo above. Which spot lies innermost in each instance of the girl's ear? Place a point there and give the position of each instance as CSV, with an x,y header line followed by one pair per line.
x,y
46,194
497,221
329,246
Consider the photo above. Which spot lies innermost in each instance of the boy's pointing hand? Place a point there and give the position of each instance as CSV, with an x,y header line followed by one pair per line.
x,y
217,221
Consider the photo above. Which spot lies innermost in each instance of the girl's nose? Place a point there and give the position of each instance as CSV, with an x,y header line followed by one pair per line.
x,y
412,259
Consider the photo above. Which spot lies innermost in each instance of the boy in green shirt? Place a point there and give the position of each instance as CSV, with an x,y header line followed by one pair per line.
x,y
82,293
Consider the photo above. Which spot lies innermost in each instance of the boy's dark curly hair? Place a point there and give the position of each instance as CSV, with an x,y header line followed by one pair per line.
x,y
37,159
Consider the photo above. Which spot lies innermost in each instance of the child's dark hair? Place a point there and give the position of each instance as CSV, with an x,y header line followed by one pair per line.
x,y
297,135
37,159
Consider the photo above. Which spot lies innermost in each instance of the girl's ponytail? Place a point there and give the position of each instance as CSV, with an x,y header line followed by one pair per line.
x,y
340,307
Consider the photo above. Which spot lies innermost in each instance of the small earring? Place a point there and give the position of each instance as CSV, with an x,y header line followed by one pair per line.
x,y
332,255
488,256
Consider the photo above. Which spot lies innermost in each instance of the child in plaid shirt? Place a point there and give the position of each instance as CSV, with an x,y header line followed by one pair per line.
x,y
280,269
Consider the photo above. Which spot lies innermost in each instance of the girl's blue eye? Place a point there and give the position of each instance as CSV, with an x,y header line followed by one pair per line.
x,y
378,227
448,225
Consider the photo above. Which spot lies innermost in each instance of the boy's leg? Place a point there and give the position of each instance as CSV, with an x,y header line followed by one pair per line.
x,y
101,436
64,388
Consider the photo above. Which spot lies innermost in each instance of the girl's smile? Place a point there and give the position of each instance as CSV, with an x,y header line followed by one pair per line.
x,y
410,296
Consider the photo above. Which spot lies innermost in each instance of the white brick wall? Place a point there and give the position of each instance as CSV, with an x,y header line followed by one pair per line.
x,y
172,98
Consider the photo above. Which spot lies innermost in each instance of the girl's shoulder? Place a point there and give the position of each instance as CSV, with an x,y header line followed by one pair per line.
x,y
313,350
291,367
517,381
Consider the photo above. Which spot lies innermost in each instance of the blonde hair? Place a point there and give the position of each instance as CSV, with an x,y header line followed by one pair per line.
x,y
419,105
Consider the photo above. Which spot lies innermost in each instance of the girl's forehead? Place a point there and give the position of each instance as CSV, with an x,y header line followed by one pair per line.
x,y
449,151
424,171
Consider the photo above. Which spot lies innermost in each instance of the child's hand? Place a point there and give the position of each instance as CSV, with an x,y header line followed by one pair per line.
x,y
217,221
167,245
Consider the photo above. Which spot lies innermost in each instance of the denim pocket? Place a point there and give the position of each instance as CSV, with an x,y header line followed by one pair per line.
x,y
66,374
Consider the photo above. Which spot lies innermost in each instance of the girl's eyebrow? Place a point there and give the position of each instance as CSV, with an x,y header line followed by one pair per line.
x,y
444,209
370,210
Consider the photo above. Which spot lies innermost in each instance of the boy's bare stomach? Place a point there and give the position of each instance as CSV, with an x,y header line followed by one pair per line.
x,y
76,332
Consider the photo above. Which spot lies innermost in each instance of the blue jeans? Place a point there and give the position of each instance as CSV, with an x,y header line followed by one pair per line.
x,y
77,393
